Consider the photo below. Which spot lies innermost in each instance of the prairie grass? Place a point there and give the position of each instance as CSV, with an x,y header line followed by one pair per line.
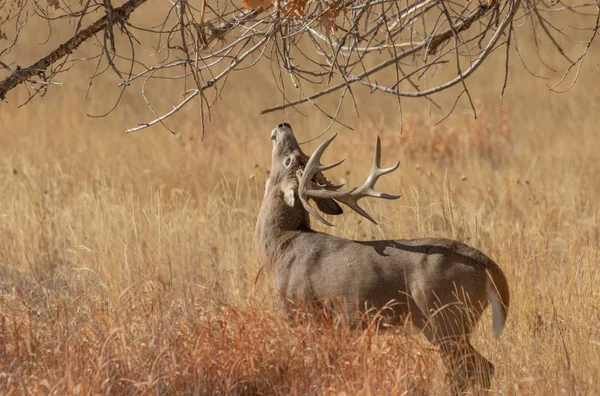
x,y
127,263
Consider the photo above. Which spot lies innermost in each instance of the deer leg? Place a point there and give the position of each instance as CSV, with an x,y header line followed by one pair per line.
x,y
479,370
287,309
452,356
450,330
465,366
428,327
286,312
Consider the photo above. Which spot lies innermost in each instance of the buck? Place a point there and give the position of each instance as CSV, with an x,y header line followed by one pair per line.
x,y
439,286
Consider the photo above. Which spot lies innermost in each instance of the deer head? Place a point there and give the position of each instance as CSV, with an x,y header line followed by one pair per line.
x,y
297,178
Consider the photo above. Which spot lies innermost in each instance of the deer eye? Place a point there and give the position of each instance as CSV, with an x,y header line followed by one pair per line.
x,y
288,161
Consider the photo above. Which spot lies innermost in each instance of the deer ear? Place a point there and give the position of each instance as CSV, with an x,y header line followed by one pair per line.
x,y
288,197
329,206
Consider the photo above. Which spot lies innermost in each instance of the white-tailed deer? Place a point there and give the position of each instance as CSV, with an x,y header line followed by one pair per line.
x,y
441,286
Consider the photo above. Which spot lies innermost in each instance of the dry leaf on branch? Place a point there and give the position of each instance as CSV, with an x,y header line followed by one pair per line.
x,y
54,3
329,16
295,8
3,35
254,4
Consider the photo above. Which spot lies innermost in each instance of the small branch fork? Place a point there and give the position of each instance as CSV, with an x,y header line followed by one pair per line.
x,y
316,48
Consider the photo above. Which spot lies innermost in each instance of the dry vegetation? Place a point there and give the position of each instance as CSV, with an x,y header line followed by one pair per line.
x,y
127,262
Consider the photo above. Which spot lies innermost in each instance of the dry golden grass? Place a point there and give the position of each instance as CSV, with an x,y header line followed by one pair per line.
x,y
127,262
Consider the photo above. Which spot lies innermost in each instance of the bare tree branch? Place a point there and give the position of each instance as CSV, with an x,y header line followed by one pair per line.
x,y
315,48
23,74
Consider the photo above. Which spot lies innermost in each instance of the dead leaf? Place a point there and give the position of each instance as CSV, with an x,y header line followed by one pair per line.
x,y
3,35
254,4
328,20
295,8
54,3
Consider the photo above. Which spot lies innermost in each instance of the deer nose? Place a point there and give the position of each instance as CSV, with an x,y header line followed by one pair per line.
x,y
284,124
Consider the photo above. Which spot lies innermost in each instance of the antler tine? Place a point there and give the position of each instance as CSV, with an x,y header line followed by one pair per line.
x,y
312,167
314,163
306,205
350,198
375,174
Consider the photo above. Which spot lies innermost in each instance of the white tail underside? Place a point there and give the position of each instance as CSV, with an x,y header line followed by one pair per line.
x,y
498,318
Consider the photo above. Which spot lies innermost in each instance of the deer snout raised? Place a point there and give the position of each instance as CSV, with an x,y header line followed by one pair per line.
x,y
281,127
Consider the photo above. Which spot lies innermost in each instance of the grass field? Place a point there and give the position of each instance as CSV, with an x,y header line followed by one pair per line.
x,y
127,263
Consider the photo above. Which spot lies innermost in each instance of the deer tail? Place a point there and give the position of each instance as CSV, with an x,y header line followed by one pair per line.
x,y
499,297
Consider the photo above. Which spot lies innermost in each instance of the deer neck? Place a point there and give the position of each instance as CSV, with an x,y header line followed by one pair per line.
x,y
277,225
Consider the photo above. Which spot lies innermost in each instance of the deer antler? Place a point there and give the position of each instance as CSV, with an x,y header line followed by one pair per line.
x,y
349,198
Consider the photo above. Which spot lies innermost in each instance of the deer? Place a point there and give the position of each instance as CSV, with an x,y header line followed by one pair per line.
x,y
439,286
